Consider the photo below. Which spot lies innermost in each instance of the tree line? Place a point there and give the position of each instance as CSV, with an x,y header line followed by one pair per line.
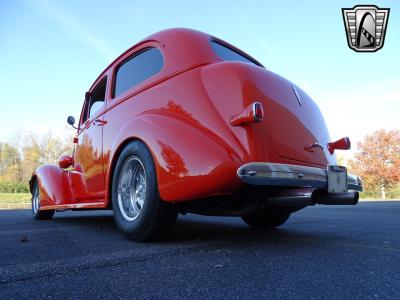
x,y
377,161
23,154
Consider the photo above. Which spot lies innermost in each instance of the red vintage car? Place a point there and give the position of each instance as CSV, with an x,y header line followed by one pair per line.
x,y
184,122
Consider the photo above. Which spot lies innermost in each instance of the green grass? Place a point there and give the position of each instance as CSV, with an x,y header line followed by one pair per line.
x,y
26,197
393,193
15,198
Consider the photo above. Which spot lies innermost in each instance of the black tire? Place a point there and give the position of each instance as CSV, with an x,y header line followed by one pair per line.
x,y
37,213
266,220
156,217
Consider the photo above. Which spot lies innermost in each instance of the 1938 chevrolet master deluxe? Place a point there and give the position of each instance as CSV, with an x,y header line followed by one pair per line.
x,y
185,122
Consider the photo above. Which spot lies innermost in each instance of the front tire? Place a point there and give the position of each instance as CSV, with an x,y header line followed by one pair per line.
x,y
265,220
138,209
37,213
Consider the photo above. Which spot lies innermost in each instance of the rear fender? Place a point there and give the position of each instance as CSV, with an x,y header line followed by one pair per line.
x,y
190,160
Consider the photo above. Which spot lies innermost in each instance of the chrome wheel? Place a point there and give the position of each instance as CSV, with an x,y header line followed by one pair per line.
x,y
131,189
35,200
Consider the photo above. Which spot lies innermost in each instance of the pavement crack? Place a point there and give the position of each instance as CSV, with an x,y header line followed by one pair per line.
x,y
66,272
93,266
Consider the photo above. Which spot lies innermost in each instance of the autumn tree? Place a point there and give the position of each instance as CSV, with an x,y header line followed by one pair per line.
x,y
23,154
8,156
32,156
10,165
378,160
52,147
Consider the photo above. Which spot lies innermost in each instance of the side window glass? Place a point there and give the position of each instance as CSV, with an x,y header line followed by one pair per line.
x,y
137,69
228,54
96,99
95,108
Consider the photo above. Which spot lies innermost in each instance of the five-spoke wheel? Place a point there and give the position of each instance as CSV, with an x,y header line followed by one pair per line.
x,y
139,211
131,188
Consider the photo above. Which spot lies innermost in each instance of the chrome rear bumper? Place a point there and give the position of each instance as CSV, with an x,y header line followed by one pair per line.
x,y
285,175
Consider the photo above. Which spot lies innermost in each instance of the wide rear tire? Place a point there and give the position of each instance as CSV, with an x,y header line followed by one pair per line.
x,y
37,213
266,220
138,209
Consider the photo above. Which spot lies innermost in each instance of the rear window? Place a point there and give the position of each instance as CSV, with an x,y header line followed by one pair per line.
x,y
228,54
137,69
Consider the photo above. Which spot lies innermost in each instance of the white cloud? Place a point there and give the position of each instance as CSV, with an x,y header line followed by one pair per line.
x,y
52,11
245,19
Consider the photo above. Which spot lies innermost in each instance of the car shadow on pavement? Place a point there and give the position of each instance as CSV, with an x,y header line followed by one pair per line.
x,y
91,220
230,230
210,230
233,233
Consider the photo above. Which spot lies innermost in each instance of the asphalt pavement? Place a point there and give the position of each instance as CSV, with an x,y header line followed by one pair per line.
x,y
322,252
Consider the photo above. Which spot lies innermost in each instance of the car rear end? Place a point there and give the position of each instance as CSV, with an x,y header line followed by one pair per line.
x,y
285,147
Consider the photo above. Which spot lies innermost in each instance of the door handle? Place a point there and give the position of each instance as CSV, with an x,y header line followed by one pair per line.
x,y
310,147
99,122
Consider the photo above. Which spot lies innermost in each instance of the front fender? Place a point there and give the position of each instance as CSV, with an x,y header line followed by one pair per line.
x,y
191,161
53,185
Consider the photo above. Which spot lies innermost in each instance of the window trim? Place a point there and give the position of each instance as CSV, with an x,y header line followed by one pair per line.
x,y
125,60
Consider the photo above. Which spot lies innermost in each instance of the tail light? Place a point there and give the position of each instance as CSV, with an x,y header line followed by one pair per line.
x,y
342,144
253,113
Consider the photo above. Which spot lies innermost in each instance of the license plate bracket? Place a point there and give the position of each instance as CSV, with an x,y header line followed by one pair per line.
x,y
337,179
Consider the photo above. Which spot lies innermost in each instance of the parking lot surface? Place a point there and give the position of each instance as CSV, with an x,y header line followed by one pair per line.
x,y
336,252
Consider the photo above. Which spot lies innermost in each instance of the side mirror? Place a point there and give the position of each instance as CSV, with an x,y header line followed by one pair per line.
x,y
71,121
65,161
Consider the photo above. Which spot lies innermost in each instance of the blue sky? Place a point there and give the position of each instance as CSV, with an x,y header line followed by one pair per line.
x,y
51,51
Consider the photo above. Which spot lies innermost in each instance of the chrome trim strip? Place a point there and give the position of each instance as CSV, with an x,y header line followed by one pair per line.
x,y
255,118
273,174
75,205
296,92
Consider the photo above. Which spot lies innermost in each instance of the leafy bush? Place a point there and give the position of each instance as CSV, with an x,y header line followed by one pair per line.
x,y
14,187
393,193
